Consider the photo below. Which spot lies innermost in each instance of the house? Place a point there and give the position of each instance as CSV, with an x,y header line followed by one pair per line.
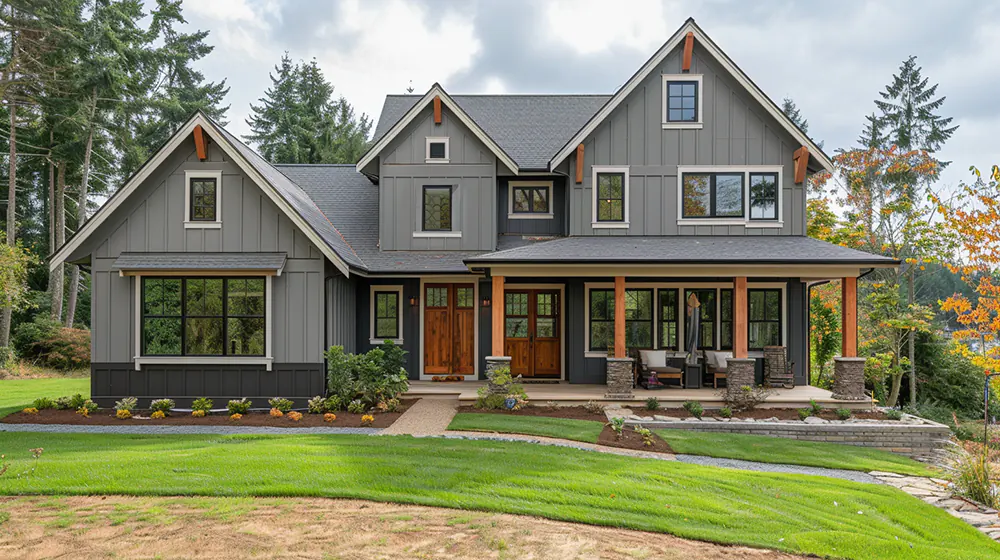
x,y
548,232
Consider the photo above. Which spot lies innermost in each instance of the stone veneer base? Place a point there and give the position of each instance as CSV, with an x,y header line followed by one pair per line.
x,y
620,378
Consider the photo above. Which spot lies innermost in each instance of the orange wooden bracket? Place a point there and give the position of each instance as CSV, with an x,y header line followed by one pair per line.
x,y
801,164
688,48
579,164
437,109
200,142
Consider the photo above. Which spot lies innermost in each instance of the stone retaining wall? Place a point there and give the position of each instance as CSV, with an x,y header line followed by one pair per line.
x,y
920,440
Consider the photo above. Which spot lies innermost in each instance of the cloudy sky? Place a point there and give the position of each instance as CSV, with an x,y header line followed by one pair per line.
x,y
831,57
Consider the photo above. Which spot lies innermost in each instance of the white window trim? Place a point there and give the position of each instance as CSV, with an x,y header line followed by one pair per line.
x,y
701,105
745,221
597,169
197,174
447,150
682,323
398,289
267,359
511,215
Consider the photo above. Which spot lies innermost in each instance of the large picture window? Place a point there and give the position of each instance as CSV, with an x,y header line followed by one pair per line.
x,y
638,318
437,208
669,319
203,316
712,195
764,317
602,319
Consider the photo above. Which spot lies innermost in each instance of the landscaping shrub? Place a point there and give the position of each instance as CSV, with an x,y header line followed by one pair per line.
x,y
804,413
815,407
203,405
695,408
43,403
198,413
894,414
123,414
240,407
843,413
367,420
87,408
127,404
375,376
329,417
594,407
333,403
162,405
647,435
294,416
726,412
390,405
276,413
235,417
501,392
284,405
316,405
973,475
747,398
30,410
617,424
70,403
50,344
652,403
356,406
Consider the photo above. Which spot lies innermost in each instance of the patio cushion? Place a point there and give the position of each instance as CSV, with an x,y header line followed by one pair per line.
x,y
653,358
718,360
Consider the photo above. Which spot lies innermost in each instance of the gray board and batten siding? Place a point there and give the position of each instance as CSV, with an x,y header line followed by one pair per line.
x,y
531,226
470,171
152,220
737,131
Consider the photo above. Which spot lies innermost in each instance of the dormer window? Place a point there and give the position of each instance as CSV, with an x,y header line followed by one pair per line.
x,y
203,199
682,101
437,150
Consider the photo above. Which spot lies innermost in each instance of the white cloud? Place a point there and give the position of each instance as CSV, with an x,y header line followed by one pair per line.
x,y
592,26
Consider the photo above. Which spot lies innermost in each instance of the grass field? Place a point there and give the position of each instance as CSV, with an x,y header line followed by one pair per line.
x,y
729,446
802,514
16,394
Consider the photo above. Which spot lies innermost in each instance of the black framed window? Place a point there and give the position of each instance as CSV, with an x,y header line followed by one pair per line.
x,y
682,101
726,319
437,208
530,200
602,319
203,198
437,150
638,318
707,316
763,196
669,319
387,315
610,197
712,195
764,318
203,316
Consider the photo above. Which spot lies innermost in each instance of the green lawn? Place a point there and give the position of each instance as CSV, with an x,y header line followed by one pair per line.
x,y
729,446
812,515
16,394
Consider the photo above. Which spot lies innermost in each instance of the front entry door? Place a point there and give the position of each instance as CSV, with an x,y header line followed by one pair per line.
x,y
531,332
449,329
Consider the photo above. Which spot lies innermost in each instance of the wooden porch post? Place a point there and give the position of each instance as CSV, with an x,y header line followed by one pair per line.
x,y
740,322
619,316
849,316
498,307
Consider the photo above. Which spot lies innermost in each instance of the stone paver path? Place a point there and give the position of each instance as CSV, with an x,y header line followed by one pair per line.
x,y
427,417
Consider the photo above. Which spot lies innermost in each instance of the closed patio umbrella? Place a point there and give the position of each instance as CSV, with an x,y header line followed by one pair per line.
x,y
693,328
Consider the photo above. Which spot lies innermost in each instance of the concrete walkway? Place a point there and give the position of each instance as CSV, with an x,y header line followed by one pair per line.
x,y
427,417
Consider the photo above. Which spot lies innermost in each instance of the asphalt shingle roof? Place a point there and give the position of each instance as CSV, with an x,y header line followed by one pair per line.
x,y
200,261
758,249
530,128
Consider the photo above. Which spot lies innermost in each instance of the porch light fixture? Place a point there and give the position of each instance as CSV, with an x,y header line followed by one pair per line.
x,y
486,301
413,301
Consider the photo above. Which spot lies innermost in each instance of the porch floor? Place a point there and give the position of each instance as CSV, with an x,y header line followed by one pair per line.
x,y
566,393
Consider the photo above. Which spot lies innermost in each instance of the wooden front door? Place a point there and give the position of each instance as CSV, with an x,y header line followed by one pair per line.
x,y
449,329
531,332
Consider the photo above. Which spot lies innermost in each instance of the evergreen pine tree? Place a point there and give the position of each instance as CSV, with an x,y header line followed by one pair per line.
x,y
909,111
274,124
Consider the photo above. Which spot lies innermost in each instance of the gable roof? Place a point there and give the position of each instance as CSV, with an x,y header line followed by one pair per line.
x,y
286,195
435,91
531,128
705,42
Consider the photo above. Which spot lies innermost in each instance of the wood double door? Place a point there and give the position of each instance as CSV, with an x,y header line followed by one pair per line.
x,y
449,329
532,336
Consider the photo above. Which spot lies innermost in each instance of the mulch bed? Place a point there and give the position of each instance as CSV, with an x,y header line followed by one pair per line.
x,y
761,413
570,412
632,440
105,417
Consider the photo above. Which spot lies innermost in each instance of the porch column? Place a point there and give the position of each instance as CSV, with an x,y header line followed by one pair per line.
x,y
740,323
498,309
619,317
849,317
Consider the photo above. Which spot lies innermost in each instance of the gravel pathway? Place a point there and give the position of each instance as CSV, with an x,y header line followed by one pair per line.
x,y
855,476
224,430
427,417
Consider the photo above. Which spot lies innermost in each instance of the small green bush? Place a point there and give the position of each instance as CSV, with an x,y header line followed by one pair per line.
x,y
203,404
375,376
695,408
162,405
70,403
652,403
490,402
43,403
241,406
316,405
972,475
334,404
127,404
843,413
815,407
805,413
726,412
894,414
284,405
594,407
89,405
356,407
618,425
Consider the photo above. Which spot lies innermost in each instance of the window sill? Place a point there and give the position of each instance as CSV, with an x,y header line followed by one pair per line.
x,y
609,225
437,234
433,160
765,224
202,360
593,354
688,125
379,341
528,216
202,225
729,222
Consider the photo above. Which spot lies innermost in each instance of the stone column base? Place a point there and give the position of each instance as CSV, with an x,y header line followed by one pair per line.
x,y
849,379
620,378
739,374
494,363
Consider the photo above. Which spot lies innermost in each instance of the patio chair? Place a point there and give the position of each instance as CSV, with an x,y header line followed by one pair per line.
x,y
778,371
652,369
717,366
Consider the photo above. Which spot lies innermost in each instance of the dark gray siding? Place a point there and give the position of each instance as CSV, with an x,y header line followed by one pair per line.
x,y
737,131
184,383
471,172
485,326
411,319
554,226
798,329
341,312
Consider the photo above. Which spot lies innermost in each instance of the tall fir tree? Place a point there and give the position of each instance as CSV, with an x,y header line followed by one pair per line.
x,y
274,124
789,108
909,109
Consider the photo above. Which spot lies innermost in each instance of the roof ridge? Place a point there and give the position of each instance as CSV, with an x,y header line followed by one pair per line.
x,y
413,95
312,164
